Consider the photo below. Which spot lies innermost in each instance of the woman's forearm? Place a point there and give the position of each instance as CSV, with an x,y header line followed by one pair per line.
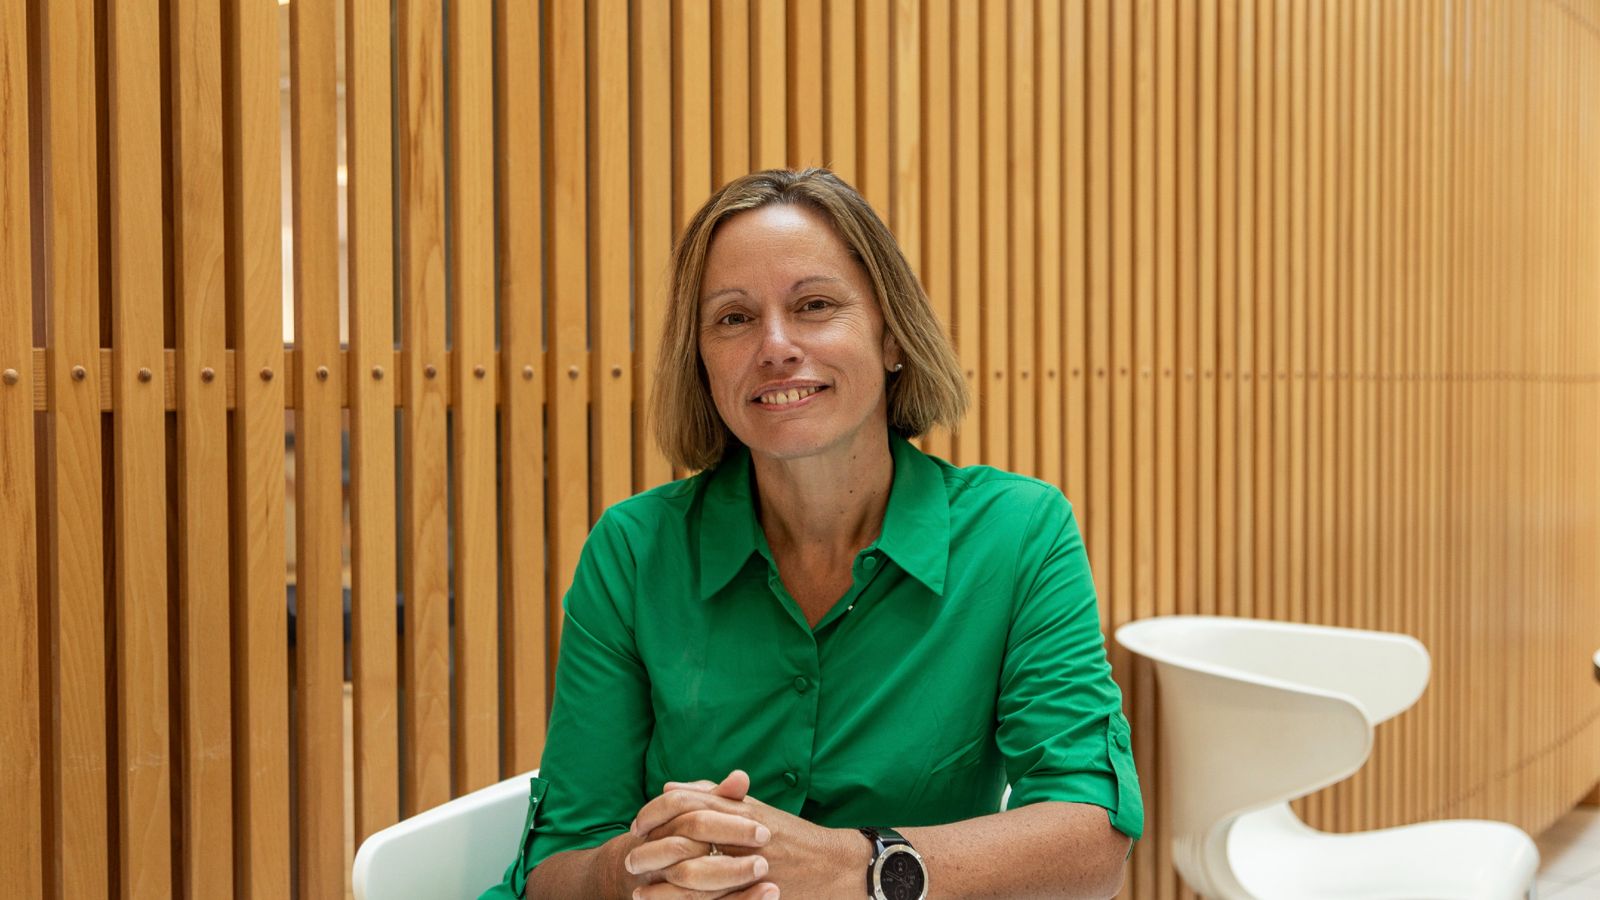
x,y
1040,850
596,872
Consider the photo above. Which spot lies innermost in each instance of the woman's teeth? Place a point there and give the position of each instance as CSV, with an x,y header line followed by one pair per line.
x,y
788,396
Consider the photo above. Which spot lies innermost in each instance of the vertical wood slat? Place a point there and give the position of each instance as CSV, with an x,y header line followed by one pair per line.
x,y
937,54
610,375
769,111
1244,273
1226,171
206,811
992,371
374,668
1021,254
524,648
730,77
903,94
1184,244
968,273
804,54
1168,504
75,651
424,515
651,129
255,292
21,766
873,126
144,818
1096,516
318,502
1047,367
1137,370
1074,270
475,719
566,324
841,90
1207,178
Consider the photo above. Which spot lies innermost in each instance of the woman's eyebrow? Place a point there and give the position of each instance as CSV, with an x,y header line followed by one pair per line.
x,y
707,299
814,279
798,286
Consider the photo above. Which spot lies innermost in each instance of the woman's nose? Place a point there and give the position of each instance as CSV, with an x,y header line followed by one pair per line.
x,y
777,345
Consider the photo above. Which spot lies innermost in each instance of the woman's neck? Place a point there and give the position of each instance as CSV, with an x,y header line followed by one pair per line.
x,y
826,505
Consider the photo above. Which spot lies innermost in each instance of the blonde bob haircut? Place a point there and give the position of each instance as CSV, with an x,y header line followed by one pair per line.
x,y
929,390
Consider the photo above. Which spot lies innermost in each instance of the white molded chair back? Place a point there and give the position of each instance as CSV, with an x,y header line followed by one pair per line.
x,y
457,849
1255,714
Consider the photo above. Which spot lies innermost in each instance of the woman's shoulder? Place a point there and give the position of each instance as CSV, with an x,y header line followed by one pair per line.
x,y
653,509
999,491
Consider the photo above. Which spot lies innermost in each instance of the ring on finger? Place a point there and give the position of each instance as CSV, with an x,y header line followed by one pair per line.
x,y
715,851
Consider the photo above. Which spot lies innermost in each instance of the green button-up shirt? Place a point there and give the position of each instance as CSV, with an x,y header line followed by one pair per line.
x,y
966,655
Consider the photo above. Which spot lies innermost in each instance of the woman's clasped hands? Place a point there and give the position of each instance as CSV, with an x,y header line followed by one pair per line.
x,y
705,840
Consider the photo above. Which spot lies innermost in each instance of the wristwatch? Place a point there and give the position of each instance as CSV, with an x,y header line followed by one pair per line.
x,y
896,871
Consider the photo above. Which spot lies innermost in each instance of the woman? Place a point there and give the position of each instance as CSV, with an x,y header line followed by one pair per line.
x,y
825,632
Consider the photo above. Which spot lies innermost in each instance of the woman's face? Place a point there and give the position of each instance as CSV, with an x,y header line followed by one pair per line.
x,y
792,337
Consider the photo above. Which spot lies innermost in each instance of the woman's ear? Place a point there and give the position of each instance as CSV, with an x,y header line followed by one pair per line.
x,y
891,352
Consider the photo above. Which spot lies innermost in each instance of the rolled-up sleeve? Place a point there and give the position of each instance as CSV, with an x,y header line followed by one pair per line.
x,y
1061,727
592,777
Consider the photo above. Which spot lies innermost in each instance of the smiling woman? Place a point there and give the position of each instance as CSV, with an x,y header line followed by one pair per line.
x,y
825,631
834,253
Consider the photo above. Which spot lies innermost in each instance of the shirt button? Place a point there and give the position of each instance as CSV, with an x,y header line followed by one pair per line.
x,y
801,684
1122,741
871,562
791,779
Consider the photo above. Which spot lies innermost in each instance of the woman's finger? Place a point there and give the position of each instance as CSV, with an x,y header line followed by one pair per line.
x,y
652,856
733,787
717,873
711,826
764,890
709,878
672,804
701,785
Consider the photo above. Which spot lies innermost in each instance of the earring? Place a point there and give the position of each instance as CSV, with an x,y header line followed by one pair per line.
x,y
898,367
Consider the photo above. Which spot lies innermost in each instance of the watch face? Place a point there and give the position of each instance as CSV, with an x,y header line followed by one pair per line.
x,y
901,877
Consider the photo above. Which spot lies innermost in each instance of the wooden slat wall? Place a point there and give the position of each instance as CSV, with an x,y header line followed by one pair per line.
x,y
138,292
1298,302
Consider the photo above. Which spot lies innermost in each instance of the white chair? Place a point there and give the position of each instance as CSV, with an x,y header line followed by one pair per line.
x,y
1255,714
457,849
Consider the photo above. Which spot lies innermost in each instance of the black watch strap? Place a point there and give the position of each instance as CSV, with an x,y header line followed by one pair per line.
x,y
886,837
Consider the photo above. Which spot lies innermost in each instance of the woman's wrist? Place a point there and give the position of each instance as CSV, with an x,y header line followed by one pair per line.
x,y
853,855
615,880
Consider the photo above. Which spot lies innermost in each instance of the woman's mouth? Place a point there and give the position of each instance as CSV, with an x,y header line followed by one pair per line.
x,y
791,395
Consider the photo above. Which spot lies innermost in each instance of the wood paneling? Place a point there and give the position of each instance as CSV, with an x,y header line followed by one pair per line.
x,y
318,434
143,764
21,762
204,571
73,650
424,515
374,667
254,241
1298,303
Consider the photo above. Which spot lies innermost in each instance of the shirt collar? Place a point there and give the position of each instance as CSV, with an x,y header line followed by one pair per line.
x,y
916,524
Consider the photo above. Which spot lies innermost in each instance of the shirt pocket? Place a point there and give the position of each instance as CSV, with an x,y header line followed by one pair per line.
x,y
1128,817
519,874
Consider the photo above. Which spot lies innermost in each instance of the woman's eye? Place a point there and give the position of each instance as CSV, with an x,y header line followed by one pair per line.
x,y
815,304
733,319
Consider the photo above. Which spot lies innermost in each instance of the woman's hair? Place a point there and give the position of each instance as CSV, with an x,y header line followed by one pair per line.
x,y
929,390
